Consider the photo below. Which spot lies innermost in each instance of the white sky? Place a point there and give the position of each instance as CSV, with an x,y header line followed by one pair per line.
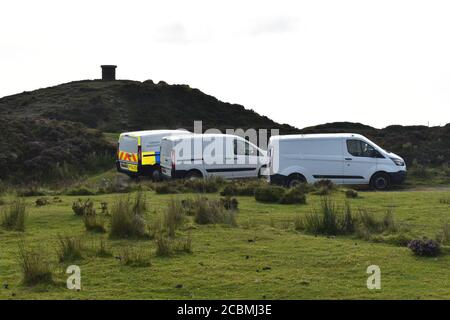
x,y
298,62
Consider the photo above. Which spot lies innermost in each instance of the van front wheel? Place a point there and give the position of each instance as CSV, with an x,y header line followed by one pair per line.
x,y
380,181
295,179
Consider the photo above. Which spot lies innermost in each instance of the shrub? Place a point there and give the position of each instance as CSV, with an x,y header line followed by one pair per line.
x,y
135,257
80,191
125,222
35,268
2,202
173,217
269,194
229,203
32,191
208,185
229,190
83,208
41,202
166,247
424,247
69,249
183,245
350,193
212,211
14,216
166,188
163,248
293,196
368,222
188,206
94,223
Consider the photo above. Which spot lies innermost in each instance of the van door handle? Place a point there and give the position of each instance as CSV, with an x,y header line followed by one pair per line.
x,y
348,158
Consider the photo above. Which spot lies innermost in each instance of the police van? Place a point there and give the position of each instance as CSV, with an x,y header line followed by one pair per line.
x,y
138,152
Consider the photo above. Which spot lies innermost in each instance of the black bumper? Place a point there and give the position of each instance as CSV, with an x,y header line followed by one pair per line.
x,y
397,177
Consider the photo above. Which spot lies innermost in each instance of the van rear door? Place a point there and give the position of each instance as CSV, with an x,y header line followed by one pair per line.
x,y
127,153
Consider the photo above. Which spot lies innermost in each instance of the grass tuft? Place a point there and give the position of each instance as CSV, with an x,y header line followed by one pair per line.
x,y
14,215
35,268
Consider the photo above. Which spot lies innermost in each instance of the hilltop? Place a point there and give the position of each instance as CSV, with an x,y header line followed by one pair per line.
x,y
57,131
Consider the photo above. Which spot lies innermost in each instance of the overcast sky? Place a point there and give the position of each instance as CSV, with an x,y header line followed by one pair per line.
x,y
298,62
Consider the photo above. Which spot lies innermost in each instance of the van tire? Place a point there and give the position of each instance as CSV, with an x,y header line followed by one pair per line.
x,y
260,170
193,174
380,181
295,179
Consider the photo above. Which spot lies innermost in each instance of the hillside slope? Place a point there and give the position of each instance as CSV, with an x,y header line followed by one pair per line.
x,y
115,106
50,131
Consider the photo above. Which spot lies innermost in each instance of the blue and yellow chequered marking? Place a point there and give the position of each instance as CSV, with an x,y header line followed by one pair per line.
x,y
150,158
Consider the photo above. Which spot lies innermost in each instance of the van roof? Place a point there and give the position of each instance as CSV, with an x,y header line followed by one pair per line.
x,y
199,135
152,132
316,136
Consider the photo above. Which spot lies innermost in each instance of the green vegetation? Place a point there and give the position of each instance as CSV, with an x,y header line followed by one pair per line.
x,y
267,253
13,217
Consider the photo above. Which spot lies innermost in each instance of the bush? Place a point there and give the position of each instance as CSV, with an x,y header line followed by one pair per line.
x,y
424,247
230,190
83,208
14,216
80,191
229,203
135,257
173,217
350,193
42,202
94,223
269,194
166,247
208,185
167,187
126,222
35,268
32,191
69,249
163,248
293,196
212,212
139,203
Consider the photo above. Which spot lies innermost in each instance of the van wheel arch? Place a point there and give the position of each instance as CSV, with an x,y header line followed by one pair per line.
x,y
194,174
294,179
380,180
260,169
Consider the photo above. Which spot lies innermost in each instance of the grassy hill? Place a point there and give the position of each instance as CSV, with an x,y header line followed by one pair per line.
x,y
54,132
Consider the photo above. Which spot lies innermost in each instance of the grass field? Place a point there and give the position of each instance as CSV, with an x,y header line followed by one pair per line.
x,y
263,257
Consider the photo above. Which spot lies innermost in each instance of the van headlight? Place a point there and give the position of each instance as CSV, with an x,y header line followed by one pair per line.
x,y
398,162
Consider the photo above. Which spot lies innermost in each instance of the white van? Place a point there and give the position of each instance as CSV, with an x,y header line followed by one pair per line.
x,y
344,158
138,152
205,155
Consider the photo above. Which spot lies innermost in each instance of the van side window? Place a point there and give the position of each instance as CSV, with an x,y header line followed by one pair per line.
x,y
360,148
243,148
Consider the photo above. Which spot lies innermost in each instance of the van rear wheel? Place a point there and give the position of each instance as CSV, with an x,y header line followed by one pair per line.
x,y
380,181
194,174
295,179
